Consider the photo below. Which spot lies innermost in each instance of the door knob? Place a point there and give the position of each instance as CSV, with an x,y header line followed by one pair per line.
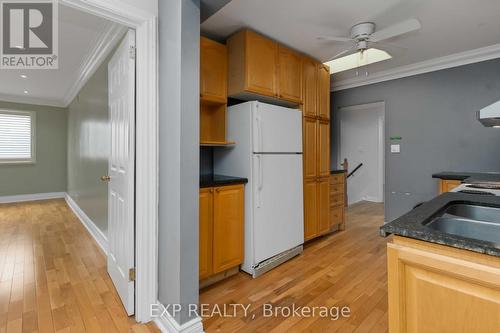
x,y
105,178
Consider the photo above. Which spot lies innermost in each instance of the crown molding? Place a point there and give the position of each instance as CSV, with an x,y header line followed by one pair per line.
x,y
95,57
104,44
453,60
31,100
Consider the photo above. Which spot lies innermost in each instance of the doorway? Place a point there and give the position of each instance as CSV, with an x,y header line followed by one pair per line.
x,y
89,41
362,144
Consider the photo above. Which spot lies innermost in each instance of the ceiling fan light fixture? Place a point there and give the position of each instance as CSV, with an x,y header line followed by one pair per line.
x,y
358,59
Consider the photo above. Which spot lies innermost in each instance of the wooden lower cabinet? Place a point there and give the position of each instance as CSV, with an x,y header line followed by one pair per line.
x,y
221,229
206,232
310,209
436,288
316,207
446,185
337,201
323,206
228,227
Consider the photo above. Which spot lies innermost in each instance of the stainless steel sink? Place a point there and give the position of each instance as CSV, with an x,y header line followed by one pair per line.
x,y
471,221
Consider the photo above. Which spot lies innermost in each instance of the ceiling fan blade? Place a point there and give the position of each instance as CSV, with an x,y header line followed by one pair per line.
x,y
338,55
334,39
388,44
396,30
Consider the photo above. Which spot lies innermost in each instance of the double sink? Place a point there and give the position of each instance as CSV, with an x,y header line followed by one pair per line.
x,y
469,220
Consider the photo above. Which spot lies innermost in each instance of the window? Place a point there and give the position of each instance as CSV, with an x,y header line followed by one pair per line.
x,y
17,134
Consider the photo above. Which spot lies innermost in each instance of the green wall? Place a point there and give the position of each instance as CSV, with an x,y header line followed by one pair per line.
x,y
48,174
88,148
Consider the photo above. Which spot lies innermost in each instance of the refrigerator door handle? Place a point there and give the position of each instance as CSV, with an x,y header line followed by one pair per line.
x,y
259,181
259,133
261,173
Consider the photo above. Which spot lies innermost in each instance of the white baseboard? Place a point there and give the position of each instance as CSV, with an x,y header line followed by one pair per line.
x,y
167,324
94,231
31,197
372,199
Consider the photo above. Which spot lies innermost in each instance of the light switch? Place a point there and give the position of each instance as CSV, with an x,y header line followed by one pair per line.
x,y
396,149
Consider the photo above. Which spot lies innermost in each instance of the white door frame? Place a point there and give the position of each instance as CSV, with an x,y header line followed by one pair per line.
x,y
381,137
146,177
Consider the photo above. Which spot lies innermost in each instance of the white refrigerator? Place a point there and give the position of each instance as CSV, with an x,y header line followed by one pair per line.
x,y
267,151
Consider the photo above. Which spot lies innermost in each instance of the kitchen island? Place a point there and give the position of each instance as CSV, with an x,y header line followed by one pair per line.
x,y
438,279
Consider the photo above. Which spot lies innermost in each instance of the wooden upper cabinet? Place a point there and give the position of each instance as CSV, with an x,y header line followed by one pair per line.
x,y
228,227
206,232
253,64
213,71
310,87
323,91
323,148
290,75
310,208
309,137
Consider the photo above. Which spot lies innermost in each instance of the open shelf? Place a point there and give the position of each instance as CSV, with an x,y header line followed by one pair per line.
x,y
217,143
212,123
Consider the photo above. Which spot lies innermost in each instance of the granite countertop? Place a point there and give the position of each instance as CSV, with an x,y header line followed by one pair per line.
x,y
332,172
220,180
469,176
412,224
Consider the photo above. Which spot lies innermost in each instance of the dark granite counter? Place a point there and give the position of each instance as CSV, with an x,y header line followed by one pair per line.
x,y
220,180
469,176
412,224
333,172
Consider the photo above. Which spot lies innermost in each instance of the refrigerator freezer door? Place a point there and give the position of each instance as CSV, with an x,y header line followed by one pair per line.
x,y
276,129
278,207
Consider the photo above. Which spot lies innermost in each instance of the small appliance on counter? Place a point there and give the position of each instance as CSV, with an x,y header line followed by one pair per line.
x,y
491,188
268,152
490,115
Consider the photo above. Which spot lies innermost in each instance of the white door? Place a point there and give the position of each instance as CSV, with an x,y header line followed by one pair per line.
x,y
362,141
278,204
276,129
121,90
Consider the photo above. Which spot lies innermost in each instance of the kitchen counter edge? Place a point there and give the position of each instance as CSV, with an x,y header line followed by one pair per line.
x,y
412,224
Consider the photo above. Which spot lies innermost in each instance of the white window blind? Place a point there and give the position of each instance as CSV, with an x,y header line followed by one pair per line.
x,y
16,137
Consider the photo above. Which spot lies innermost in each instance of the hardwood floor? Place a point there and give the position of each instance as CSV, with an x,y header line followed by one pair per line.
x,y
53,279
53,275
344,269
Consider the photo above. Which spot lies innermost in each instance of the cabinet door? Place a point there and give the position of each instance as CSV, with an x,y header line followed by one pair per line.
x,y
323,148
309,136
447,185
310,82
261,65
323,205
228,227
206,232
290,75
440,289
213,71
323,91
310,208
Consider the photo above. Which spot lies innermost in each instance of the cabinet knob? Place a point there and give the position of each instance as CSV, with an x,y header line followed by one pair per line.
x,y
217,190
105,178
211,190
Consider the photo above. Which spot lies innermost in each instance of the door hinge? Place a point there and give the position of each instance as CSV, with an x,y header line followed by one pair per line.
x,y
132,52
131,274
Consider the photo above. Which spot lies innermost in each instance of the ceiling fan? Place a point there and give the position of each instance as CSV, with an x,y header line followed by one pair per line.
x,y
363,35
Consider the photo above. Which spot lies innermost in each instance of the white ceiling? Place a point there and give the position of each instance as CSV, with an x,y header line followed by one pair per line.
x,y
80,37
448,26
